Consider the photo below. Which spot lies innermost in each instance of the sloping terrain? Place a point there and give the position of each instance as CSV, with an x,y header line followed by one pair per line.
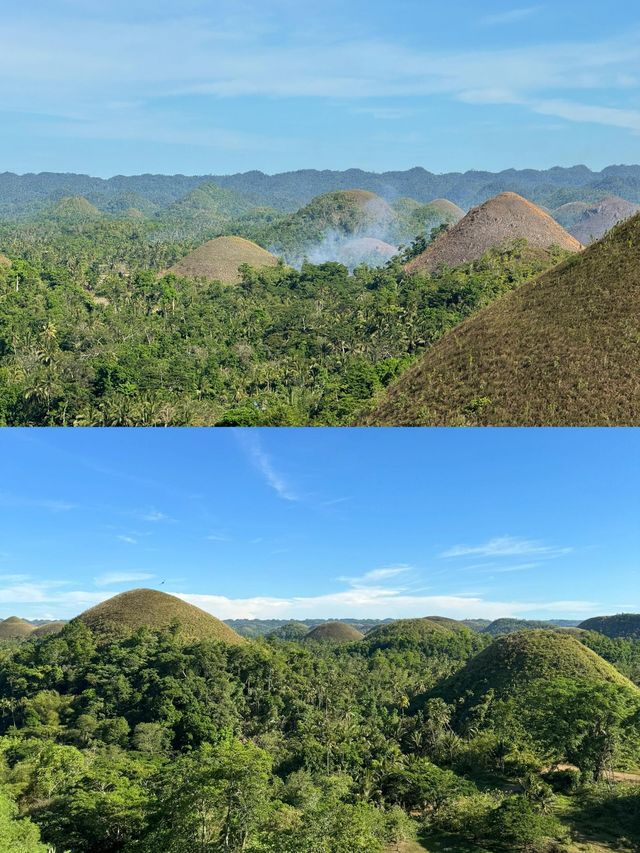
x,y
49,628
511,663
595,221
561,350
365,250
334,632
621,625
220,259
498,222
149,608
15,628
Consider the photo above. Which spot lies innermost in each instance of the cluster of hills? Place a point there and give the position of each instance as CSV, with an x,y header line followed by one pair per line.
x,y
288,191
148,608
560,350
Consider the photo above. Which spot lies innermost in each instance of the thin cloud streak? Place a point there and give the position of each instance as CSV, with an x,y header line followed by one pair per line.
x,y
506,546
250,442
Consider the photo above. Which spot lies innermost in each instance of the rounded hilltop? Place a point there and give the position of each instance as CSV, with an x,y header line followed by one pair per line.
x,y
362,250
596,220
348,211
334,632
149,608
15,628
512,662
562,349
429,634
220,259
49,628
496,223
625,625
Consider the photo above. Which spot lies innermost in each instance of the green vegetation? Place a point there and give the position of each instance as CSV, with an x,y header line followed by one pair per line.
x,y
621,625
561,350
148,608
91,335
144,742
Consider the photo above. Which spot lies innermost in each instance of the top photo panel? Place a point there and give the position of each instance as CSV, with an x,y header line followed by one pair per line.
x,y
345,214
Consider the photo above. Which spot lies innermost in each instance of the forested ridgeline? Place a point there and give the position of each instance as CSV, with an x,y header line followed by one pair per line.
x,y
93,333
146,743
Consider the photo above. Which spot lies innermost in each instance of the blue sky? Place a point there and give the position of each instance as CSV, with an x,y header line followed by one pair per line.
x,y
320,523
219,86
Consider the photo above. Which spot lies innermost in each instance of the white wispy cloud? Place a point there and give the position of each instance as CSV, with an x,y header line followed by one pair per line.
x,y
375,576
121,577
68,73
18,502
128,539
506,546
251,443
511,16
374,603
217,537
155,516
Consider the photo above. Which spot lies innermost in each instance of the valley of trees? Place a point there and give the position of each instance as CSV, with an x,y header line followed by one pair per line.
x,y
424,731
91,333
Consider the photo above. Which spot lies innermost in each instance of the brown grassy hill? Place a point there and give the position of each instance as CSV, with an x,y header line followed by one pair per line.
x,y
596,220
334,632
15,628
498,222
219,260
49,628
149,608
561,350
450,211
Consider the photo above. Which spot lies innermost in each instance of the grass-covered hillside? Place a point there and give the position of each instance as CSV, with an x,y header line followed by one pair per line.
x,y
432,737
561,350
621,625
148,608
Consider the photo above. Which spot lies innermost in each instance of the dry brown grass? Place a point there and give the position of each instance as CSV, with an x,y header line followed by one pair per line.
x,y
220,259
148,608
334,632
15,628
562,350
497,222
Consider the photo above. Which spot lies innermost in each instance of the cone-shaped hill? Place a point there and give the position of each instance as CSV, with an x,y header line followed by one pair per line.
x,y
621,625
15,628
595,221
561,350
209,202
290,631
349,211
334,632
496,223
49,628
72,209
430,635
221,258
510,664
148,608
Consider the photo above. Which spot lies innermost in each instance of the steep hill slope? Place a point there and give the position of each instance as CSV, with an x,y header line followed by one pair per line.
x,y
561,350
429,635
334,632
208,202
49,628
149,608
219,260
595,221
15,628
72,210
621,625
511,663
365,250
497,222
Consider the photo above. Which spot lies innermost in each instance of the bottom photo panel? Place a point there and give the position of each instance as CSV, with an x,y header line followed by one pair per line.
x,y
319,641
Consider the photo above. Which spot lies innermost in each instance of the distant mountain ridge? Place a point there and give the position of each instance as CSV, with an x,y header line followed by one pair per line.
x,y
287,191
